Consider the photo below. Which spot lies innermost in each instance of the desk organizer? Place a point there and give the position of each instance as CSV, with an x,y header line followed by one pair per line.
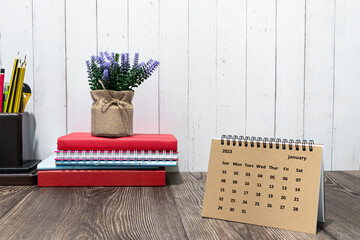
x,y
14,145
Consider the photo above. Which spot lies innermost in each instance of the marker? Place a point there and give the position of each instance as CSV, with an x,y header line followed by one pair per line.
x,y
2,76
6,92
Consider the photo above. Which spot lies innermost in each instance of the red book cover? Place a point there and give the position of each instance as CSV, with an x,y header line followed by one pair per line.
x,y
84,141
101,178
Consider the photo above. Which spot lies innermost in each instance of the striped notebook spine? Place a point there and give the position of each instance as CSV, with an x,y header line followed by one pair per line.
x,y
117,163
116,155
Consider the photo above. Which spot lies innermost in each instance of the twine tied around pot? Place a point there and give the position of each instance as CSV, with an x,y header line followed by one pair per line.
x,y
119,103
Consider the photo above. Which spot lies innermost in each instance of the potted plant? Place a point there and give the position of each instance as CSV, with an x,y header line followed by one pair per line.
x,y
111,80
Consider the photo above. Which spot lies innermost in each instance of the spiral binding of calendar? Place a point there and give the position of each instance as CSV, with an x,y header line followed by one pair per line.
x,y
278,143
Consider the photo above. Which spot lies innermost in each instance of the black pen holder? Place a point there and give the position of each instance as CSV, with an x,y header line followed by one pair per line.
x,y
16,165
15,139
11,139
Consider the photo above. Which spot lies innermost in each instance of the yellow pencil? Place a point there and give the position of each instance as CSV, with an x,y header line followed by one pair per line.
x,y
13,97
11,88
19,87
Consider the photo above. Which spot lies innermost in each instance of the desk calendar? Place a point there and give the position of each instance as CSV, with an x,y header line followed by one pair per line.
x,y
268,182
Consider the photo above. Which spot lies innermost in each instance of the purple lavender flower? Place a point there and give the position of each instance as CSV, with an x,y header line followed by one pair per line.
x,y
150,62
118,75
123,59
142,64
106,75
155,65
108,56
125,62
152,68
100,59
88,66
115,63
136,60
106,65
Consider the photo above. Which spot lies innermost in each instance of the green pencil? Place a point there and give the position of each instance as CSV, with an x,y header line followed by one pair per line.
x,y
6,92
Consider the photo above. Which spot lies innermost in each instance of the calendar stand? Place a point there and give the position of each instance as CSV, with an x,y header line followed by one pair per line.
x,y
268,182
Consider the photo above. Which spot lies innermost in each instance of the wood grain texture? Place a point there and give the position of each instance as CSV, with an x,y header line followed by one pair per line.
x,y
171,212
95,213
354,174
189,188
250,67
342,205
11,195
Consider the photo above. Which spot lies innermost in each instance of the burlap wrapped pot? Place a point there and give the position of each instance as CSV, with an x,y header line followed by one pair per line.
x,y
112,113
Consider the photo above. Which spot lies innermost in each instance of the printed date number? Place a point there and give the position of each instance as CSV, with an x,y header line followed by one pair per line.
x,y
227,151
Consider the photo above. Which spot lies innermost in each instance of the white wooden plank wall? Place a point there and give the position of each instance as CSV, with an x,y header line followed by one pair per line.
x,y
277,68
50,73
144,38
17,36
289,70
112,32
81,43
202,85
173,74
261,68
346,128
231,67
319,77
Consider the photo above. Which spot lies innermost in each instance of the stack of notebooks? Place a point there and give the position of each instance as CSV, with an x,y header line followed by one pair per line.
x,y
85,160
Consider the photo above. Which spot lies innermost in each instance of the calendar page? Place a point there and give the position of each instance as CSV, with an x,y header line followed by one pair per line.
x,y
263,183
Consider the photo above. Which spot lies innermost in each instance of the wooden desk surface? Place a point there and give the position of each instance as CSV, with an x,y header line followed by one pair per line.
x,y
171,212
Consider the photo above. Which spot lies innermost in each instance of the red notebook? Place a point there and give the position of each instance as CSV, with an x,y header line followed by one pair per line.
x,y
84,141
101,178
